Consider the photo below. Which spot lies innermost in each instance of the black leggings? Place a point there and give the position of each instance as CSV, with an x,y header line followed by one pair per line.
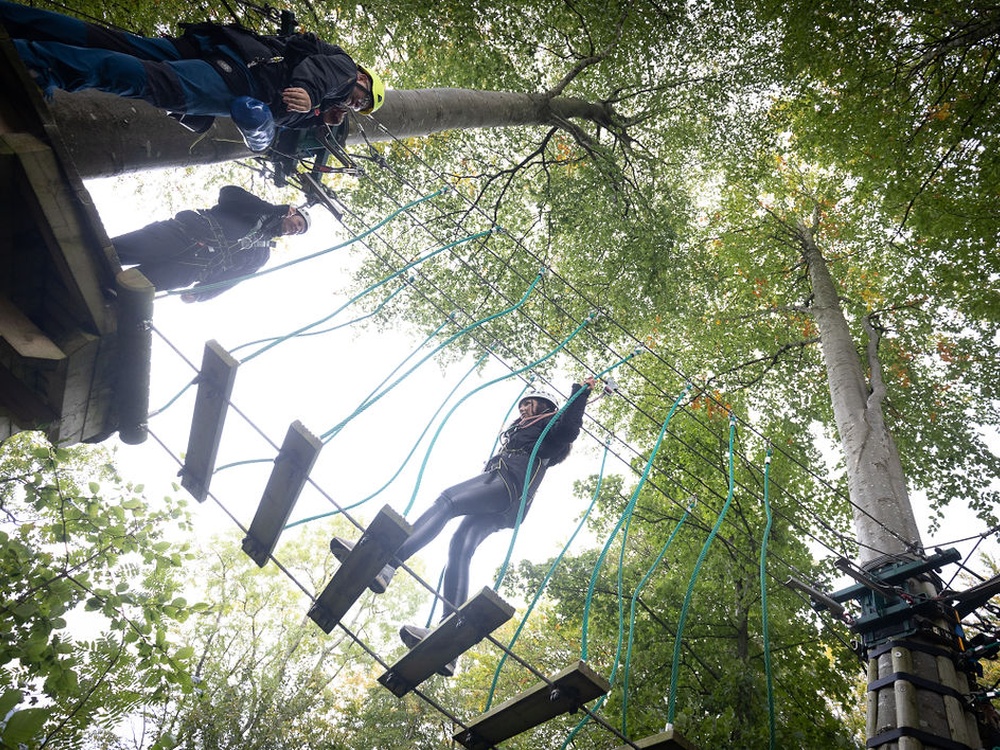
x,y
489,503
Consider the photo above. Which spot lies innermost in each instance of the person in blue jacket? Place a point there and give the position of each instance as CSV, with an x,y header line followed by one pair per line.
x,y
490,501
211,248
261,81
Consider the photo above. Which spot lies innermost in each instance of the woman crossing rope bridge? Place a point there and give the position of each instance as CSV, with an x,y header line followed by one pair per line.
x,y
491,501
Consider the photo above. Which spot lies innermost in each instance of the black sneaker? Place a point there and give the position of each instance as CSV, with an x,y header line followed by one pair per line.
x,y
341,548
411,635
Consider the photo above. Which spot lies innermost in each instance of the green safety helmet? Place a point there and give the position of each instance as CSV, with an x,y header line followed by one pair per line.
x,y
377,92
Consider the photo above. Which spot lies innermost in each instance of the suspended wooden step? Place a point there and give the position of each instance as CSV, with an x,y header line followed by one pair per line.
x,y
668,740
291,470
564,693
376,547
215,386
456,634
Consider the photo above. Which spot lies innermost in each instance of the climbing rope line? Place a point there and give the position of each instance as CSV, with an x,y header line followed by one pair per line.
x,y
682,619
372,288
329,434
548,576
791,458
278,339
765,632
405,461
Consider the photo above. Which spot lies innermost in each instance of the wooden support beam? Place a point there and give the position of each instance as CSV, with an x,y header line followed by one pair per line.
x,y
668,740
564,693
135,349
215,386
459,632
25,337
291,470
375,548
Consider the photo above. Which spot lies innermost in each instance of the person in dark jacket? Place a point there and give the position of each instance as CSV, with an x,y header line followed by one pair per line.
x,y
212,246
490,501
296,81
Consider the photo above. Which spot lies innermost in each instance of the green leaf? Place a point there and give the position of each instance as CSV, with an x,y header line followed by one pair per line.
x,y
23,726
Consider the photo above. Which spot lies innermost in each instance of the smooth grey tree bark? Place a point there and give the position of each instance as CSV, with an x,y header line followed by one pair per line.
x,y
108,135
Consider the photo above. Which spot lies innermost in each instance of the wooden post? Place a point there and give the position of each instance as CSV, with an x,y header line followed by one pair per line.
x,y
135,346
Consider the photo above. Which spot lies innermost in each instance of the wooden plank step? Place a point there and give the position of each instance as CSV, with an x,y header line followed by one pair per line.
x,y
25,337
376,547
668,740
291,470
215,386
564,693
456,634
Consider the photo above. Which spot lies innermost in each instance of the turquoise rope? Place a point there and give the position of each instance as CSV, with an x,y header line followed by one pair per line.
x,y
629,507
230,282
365,401
675,667
548,577
635,599
351,322
763,602
372,288
531,462
329,434
406,460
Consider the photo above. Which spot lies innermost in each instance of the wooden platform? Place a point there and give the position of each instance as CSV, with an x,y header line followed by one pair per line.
x,y
459,632
215,386
291,470
375,548
564,693
59,343
668,740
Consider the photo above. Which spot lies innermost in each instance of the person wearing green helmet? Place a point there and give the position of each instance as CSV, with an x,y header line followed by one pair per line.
x,y
263,82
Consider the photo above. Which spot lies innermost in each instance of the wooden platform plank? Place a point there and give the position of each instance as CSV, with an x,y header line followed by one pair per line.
x,y
291,470
375,548
215,386
668,740
456,634
25,337
59,220
570,689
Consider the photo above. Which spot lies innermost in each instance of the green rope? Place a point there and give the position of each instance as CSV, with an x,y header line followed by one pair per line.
x,y
400,366
372,288
230,282
406,460
245,462
531,462
763,601
629,507
548,577
332,432
351,322
675,667
635,599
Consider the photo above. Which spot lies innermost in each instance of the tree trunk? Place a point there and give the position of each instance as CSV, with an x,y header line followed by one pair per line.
x,y
108,135
916,699
883,516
